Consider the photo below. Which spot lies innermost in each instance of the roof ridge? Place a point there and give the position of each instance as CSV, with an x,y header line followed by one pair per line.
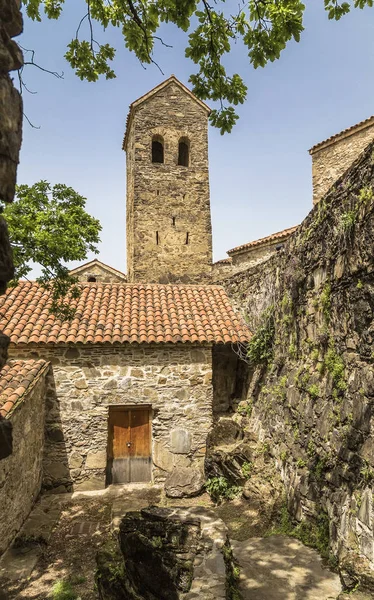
x,y
267,238
348,130
153,91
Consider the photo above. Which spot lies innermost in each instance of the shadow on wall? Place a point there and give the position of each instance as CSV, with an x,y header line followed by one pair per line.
x,y
230,377
56,471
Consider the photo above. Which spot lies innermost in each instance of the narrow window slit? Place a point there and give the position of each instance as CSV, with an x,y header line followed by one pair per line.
x,y
157,238
187,238
174,221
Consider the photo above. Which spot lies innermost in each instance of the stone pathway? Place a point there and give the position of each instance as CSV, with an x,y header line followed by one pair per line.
x,y
62,527
281,568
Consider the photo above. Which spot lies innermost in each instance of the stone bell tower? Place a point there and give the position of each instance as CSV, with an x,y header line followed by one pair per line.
x,y
169,233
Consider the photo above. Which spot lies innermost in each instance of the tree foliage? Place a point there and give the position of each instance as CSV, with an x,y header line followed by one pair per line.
x,y
263,26
49,226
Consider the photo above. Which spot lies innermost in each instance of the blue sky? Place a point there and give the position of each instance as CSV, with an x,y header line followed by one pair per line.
x,y
260,174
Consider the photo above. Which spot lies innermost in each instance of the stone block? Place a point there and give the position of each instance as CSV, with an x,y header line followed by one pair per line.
x,y
184,483
57,471
96,482
81,384
180,441
75,460
96,460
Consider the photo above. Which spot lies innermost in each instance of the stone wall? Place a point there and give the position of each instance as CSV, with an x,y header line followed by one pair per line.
x,y
169,236
246,258
21,472
332,158
312,399
175,381
10,123
101,274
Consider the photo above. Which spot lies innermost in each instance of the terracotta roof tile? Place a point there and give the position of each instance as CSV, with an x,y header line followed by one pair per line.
x,y
17,377
122,313
265,240
344,133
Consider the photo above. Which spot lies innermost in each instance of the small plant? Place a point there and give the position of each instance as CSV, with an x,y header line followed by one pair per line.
x,y
283,456
63,590
311,450
367,474
313,390
260,347
245,410
300,463
359,285
247,469
366,194
219,489
314,355
347,220
156,541
335,366
292,350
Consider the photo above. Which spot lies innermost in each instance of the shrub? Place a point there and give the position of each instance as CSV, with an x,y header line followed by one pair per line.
x,y
260,348
219,489
63,590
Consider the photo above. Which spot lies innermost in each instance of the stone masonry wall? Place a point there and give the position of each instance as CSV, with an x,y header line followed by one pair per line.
x,y
10,123
175,381
21,472
312,398
333,158
169,236
101,274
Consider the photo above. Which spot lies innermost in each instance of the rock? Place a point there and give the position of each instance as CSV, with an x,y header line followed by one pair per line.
x,y
58,471
180,441
184,483
219,463
226,431
96,460
75,460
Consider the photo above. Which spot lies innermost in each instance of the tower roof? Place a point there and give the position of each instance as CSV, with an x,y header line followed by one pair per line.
x,y
153,92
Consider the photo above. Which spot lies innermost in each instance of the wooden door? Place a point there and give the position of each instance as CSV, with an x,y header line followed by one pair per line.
x,y
129,445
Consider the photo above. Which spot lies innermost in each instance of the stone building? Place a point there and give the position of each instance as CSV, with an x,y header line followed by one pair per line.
x,y
250,254
332,157
131,384
169,233
95,270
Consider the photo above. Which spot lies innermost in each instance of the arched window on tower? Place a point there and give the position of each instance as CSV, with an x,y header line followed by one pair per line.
x,y
184,152
157,149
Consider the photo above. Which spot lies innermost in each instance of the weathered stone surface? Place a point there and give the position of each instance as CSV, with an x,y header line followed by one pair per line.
x,y
180,441
21,471
169,236
277,567
313,405
10,113
77,416
220,463
96,460
330,160
184,483
167,554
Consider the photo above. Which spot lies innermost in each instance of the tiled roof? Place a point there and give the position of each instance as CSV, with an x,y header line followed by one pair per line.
x,y
17,377
223,261
270,238
122,312
157,88
343,134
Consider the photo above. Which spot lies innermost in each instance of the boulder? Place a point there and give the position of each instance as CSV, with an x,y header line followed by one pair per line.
x,y
184,483
219,463
225,432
